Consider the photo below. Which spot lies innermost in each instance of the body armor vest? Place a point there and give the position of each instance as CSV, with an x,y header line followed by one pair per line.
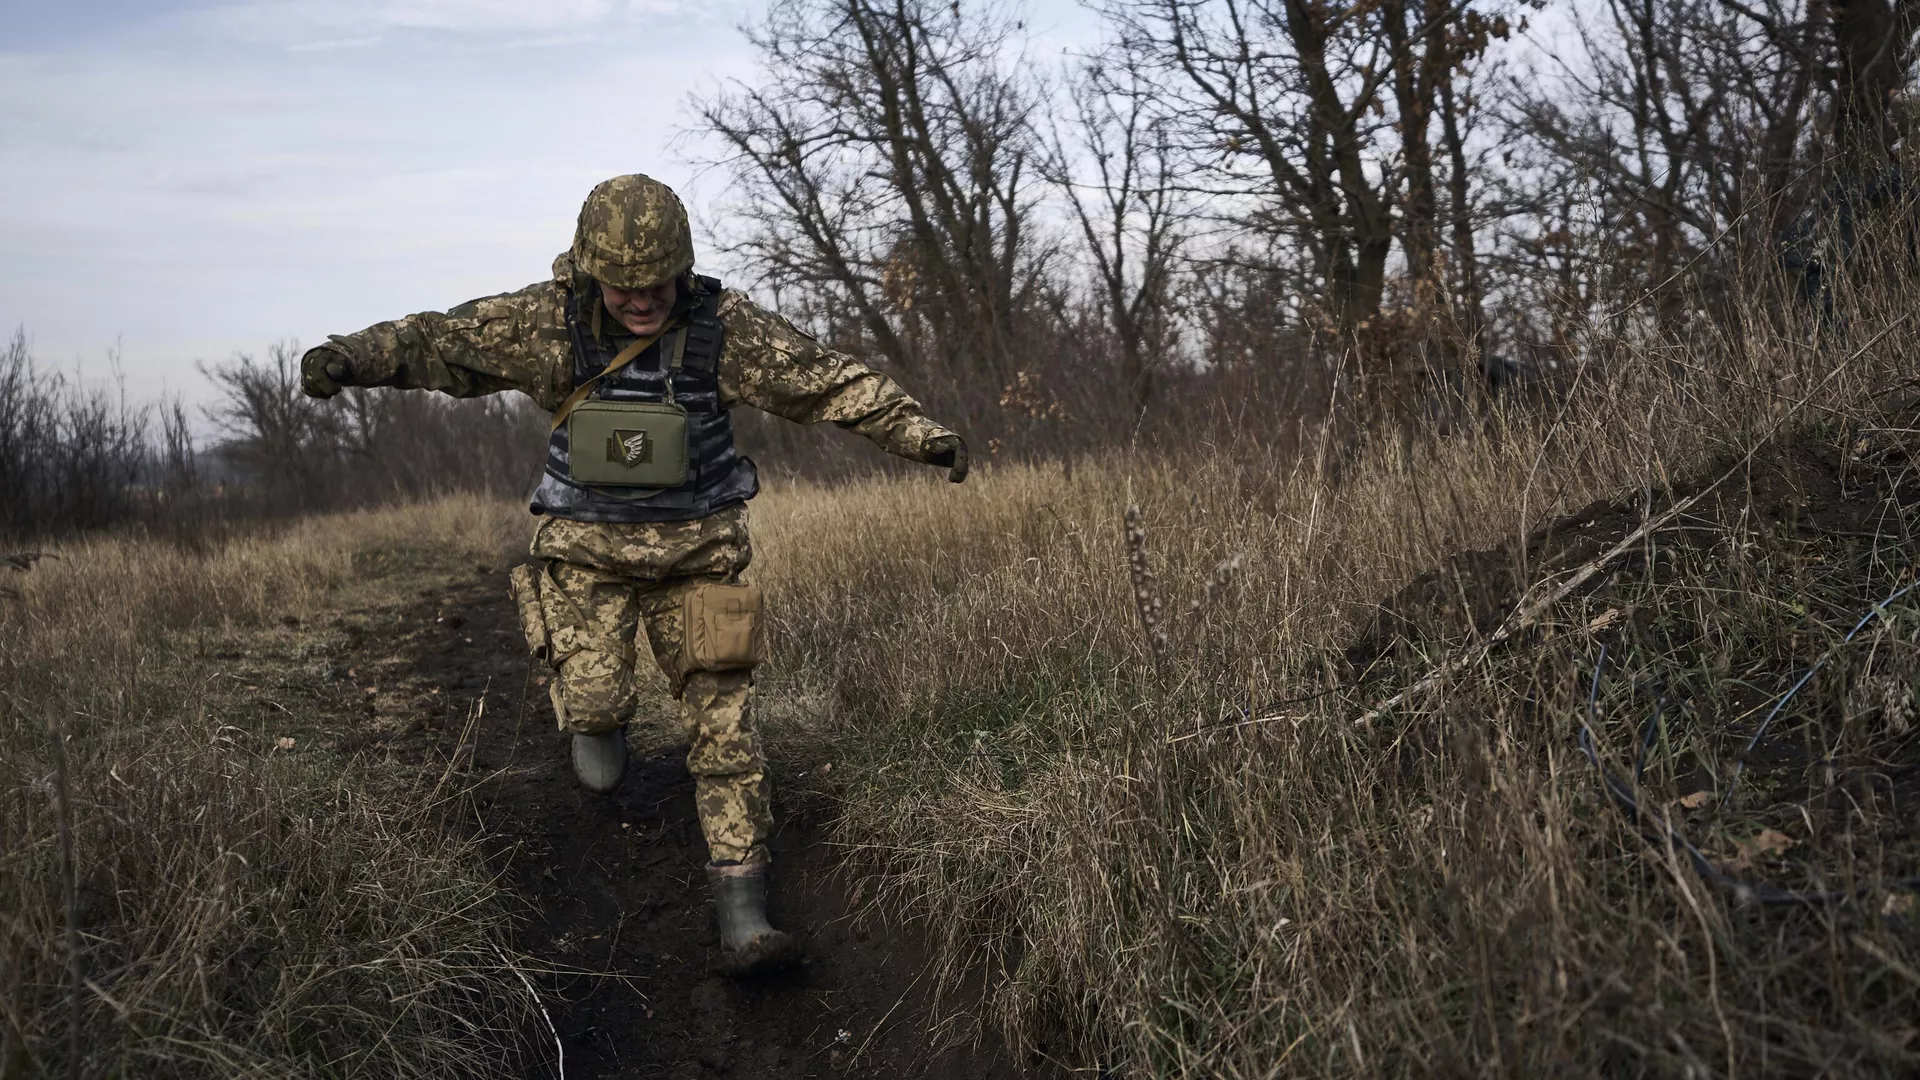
x,y
717,476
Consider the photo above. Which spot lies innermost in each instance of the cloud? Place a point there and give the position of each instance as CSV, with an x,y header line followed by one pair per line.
x,y
334,44
313,25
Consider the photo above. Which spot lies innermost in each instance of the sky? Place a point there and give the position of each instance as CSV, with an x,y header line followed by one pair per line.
x,y
185,180
188,179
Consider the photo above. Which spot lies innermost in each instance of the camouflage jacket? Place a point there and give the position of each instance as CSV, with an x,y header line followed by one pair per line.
x,y
519,341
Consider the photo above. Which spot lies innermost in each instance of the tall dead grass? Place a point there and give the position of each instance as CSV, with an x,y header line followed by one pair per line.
x,y
240,905
1205,866
1179,877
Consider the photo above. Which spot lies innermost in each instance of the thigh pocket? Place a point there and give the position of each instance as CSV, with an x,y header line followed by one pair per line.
x,y
524,580
722,629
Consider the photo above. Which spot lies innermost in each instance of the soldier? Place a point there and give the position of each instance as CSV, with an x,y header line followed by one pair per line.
x,y
643,501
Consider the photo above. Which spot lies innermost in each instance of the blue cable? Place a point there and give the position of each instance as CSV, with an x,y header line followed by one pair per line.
x,y
1623,794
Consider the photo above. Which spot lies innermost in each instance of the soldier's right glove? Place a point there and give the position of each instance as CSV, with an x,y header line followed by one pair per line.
x,y
950,453
324,370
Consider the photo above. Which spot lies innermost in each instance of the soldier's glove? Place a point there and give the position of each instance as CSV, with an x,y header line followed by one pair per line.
x,y
948,452
324,370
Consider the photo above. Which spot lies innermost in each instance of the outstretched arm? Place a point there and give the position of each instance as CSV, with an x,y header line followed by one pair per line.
x,y
514,341
772,366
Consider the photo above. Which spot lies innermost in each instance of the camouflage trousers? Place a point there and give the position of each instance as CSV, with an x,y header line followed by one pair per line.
x,y
610,587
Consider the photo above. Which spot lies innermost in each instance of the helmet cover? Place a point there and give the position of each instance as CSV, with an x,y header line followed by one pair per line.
x,y
633,233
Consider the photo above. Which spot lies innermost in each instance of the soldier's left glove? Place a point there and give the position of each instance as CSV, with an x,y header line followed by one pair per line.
x,y
950,453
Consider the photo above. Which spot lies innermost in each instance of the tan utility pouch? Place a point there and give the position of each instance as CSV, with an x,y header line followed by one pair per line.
x,y
525,582
627,443
722,629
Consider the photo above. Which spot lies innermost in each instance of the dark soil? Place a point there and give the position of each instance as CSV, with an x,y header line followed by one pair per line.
x,y
1823,524
1854,485
621,934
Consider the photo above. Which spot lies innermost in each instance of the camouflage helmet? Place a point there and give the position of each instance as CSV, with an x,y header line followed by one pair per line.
x,y
633,233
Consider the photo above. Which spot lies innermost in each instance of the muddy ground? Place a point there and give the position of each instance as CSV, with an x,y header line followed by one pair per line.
x,y
621,937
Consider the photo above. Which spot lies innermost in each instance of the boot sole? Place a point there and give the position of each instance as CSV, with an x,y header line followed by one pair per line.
x,y
579,773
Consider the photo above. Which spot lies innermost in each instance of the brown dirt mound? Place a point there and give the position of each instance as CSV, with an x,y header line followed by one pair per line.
x,y
1855,484
621,928
1818,528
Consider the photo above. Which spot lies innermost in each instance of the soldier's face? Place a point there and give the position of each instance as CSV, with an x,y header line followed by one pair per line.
x,y
642,311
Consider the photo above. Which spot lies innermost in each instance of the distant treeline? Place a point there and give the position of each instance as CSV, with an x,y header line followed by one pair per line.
x,y
76,456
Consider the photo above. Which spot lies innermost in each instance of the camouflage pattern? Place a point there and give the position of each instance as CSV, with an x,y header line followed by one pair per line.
x,y
716,546
610,586
518,341
633,233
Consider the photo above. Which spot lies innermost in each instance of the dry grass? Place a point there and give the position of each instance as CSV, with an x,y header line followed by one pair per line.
x,y
1173,891
241,907
1172,874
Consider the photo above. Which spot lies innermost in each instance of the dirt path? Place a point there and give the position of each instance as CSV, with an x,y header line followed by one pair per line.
x,y
616,882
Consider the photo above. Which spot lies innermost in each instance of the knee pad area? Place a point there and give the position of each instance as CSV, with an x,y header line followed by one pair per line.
x,y
597,692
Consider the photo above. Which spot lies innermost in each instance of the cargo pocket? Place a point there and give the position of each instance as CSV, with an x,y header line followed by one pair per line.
x,y
524,580
721,628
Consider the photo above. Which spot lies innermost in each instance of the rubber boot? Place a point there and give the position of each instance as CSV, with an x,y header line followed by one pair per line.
x,y
748,944
600,760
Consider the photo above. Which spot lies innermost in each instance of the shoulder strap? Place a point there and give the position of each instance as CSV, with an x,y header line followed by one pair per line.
x,y
707,331
678,352
621,360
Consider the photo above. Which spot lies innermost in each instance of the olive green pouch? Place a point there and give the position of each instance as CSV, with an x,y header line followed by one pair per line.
x,y
628,444
640,444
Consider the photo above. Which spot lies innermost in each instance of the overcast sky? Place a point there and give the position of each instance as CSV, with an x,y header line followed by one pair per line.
x,y
189,178
192,178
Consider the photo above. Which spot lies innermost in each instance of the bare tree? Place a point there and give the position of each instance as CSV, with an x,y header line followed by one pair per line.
x,y
402,445
72,453
1697,125
1311,123
274,432
1126,206
883,168
1284,128
1456,114
367,446
1874,53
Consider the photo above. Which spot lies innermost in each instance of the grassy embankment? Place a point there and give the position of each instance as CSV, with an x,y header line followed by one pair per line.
x,y
1168,888
1442,888
244,901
